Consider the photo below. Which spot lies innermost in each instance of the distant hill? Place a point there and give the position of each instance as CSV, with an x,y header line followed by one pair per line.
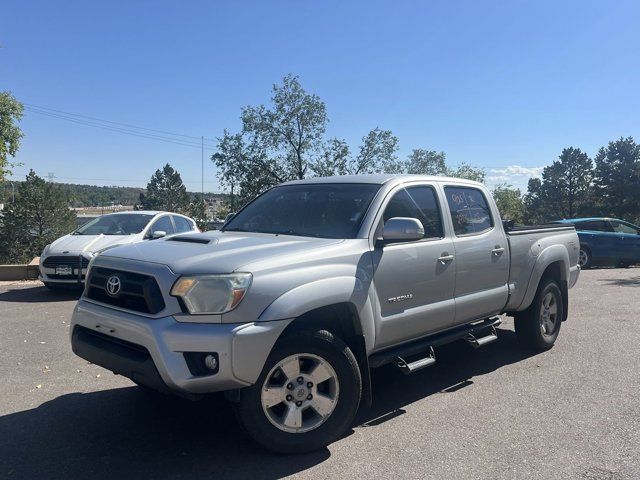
x,y
94,196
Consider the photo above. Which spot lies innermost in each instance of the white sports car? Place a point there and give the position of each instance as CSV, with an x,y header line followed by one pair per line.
x,y
65,261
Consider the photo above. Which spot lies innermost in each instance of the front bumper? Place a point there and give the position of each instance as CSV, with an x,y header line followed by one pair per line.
x,y
118,341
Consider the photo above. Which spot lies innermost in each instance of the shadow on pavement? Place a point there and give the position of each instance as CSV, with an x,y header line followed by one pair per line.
x,y
38,294
622,282
127,433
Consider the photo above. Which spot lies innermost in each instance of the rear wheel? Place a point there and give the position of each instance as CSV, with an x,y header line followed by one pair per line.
x,y
584,258
538,326
306,396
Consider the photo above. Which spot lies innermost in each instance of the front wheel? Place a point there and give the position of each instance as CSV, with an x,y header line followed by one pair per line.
x,y
538,326
306,396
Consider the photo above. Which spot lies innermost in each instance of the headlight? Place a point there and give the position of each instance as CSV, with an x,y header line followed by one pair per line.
x,y
212,293
45,250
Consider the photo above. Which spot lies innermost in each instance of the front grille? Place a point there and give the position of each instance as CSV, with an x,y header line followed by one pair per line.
x,y
73,261
54,276
138,292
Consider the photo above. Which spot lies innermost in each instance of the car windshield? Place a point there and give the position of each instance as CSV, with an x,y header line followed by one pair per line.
x,y
119,224
314,210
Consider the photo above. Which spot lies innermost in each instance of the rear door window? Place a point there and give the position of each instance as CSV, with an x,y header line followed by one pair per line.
x,y
469,210
620,227
594,226
182,224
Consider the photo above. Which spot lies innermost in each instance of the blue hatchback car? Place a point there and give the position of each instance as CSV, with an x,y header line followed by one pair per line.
x,y
607,241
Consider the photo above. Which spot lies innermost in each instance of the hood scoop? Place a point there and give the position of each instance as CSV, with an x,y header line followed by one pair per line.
x,y
186,239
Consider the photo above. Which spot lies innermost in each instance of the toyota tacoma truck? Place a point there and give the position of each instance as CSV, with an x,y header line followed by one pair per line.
x,y
311,285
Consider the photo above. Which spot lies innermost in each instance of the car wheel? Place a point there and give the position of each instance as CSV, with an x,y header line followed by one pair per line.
x,y
538,326
584,258
306,396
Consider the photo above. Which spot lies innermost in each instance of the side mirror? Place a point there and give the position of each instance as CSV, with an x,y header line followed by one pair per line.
x,y
158,234
402,229
229,217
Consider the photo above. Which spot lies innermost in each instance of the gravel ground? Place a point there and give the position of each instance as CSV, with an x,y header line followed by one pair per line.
x,y
499,412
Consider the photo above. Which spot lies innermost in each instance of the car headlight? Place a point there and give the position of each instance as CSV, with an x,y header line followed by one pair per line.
x,y
213,294
45,250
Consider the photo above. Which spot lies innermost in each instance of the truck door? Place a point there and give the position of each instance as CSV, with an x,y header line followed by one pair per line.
x,y
414,281
482,254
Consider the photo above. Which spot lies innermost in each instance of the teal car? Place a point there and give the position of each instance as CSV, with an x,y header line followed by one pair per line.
x,y
607,241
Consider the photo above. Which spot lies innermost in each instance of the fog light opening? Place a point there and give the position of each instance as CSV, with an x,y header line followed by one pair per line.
x,y
211,362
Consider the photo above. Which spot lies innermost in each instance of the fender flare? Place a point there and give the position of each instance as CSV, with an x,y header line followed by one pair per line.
x,y
551,254
321,293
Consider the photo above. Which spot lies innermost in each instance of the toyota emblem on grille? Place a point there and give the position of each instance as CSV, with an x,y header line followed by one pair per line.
x,y
113,285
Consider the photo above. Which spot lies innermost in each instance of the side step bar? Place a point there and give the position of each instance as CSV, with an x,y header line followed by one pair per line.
x,y
477,334
416,365
477,342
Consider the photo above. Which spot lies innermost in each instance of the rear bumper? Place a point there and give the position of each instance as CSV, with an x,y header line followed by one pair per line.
x,y
151,351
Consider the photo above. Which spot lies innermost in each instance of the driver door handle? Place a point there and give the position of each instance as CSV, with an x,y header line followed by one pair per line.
x,y
445,258
498,250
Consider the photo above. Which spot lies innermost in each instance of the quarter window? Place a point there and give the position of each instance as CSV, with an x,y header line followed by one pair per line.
x,y
469,210
417,202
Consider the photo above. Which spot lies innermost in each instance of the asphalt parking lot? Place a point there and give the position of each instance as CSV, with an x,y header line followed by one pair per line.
x,y
498,412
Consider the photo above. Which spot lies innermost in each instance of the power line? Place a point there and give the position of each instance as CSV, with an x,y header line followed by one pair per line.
x,y
118,123
150,136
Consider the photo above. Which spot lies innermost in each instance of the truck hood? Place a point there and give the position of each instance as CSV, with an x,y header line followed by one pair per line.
x,y
217,252
88,243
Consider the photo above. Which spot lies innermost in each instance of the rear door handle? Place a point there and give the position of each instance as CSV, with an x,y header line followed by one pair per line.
x,y
445,258
497,251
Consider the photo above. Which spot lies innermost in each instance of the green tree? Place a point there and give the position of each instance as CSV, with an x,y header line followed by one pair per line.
x,y
617,179
468,172
165,191
510,202
10,134
426,162
39,215
565,188
197,210
286,141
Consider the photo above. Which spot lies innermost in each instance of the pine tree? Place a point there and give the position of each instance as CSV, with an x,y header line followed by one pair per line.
x,y
39,215
165,191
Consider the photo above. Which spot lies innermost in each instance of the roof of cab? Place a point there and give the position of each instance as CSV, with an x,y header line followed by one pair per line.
x,y
380,179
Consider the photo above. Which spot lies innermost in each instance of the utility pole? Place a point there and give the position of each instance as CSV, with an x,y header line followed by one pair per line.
x,y
51,176
202,159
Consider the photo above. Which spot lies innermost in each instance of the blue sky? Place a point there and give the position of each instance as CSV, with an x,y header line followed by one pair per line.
x,y
500,84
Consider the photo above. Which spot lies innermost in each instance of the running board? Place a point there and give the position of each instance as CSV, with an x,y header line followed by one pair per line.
x,y
416,365
478,334
477,342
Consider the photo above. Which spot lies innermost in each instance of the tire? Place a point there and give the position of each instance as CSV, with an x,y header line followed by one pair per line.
x,y
272,419
623,265
584,258
538,326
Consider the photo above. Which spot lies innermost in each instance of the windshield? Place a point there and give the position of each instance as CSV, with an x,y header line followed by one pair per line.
x,y
120,224
314,210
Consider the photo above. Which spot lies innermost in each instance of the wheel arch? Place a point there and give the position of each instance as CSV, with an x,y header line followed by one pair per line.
x,y
553,263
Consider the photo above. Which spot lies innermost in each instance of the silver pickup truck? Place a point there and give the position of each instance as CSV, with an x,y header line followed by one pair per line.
x,y
314,283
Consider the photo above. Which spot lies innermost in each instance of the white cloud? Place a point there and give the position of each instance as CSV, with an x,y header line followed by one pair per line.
x,y
515,175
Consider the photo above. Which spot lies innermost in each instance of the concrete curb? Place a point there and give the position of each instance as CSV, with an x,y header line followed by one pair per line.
x,y
20,272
